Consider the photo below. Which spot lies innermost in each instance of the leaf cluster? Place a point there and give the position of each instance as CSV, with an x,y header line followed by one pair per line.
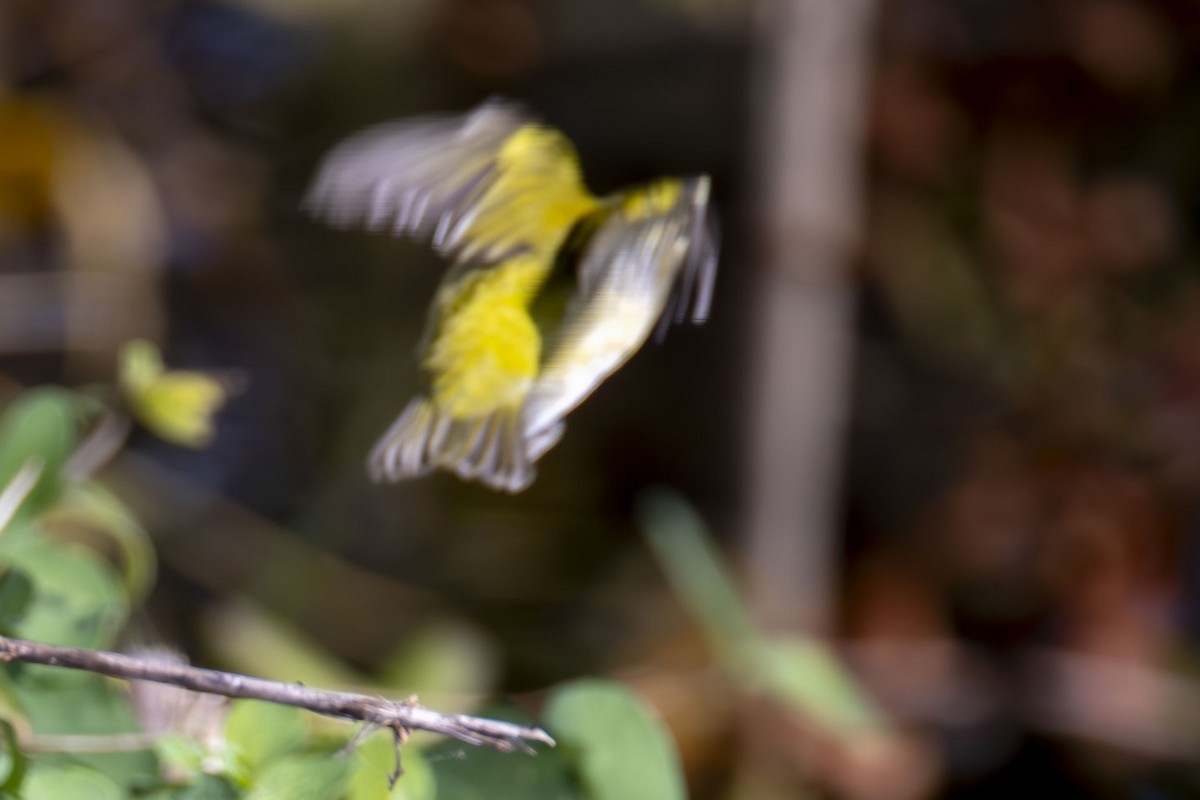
x,y
75,563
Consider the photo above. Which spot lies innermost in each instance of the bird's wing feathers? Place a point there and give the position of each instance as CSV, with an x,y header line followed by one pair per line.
x,y
640,266
482,186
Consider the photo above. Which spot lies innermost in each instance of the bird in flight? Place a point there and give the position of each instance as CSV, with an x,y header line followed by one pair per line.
x,y
550,289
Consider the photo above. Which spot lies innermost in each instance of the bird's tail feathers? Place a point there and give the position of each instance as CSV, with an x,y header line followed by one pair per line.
x,y
491,449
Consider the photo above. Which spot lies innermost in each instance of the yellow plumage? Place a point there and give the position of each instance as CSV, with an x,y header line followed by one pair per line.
x,y
486,350
502,197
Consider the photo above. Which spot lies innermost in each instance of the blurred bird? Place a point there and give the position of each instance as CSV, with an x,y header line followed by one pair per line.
x,y
502,198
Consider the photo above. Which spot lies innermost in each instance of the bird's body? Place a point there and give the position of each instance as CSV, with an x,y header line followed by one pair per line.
x,y
503,198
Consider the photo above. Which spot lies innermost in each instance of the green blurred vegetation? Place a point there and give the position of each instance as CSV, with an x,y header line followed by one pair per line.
x,y
75,564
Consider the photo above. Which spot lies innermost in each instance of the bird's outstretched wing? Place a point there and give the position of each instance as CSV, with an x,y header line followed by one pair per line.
x,y
648,261
482,186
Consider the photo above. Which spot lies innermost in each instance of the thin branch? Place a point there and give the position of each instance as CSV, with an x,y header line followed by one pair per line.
x,y
101,444
401,716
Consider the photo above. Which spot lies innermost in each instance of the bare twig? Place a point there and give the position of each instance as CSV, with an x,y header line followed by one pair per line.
x,y
399,736
101,444
400,717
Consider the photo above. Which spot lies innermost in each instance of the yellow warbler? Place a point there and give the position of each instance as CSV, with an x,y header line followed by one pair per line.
x,y
501,196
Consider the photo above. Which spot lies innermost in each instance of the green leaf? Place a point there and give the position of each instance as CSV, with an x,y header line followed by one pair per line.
x,y
40,425
696,571
464,772
12,710
183,755
445,663
60,701
307,777
95,508
258,732
372,766
203,787
17,762
208,787
14,496
77,600
804,676
16,592
620,748
799,674
51,781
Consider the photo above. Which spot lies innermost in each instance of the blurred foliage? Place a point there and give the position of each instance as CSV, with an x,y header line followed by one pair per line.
x,y
800,675
616,745
39,429
74,564
178,405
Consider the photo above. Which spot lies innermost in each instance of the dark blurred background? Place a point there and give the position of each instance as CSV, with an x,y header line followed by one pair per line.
x,y
1017,569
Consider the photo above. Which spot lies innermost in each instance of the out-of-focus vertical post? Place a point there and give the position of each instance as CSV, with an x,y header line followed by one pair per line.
x,y
811,101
